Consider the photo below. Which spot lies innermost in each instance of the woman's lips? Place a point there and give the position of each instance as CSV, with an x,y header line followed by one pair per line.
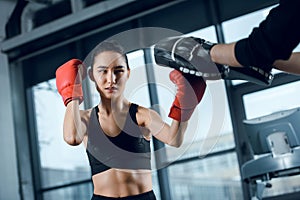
x,y
110,89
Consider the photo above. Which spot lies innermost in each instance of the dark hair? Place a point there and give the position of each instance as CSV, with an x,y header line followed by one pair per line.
x,y
110,45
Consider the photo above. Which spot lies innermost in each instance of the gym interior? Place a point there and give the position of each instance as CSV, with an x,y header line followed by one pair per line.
x,y
226,153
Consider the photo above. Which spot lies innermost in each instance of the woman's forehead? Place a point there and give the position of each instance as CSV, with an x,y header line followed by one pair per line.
x,y
108,58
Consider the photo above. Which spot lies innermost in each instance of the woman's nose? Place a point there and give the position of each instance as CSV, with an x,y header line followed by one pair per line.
x,y
111,77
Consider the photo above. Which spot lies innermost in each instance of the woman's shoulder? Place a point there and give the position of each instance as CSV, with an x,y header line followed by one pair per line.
x,y
145,110
142,110
85,114
145,115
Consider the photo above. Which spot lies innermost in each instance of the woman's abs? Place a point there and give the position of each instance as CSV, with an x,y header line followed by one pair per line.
x,y
122,183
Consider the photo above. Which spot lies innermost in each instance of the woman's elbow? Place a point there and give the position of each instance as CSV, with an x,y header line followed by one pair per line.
x,y
175,144
72,140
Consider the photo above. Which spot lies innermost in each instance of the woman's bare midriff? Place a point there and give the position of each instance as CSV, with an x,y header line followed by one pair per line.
x,y
121,182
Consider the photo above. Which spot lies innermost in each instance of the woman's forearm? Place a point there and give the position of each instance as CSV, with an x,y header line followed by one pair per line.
x,y
73,129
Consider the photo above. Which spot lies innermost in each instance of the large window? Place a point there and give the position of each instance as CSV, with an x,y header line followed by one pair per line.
x,y
192,172
271,100
214,177
60,163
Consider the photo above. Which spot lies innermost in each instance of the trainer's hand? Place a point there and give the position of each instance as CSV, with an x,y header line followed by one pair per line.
x,y
189,55
68,80
190,90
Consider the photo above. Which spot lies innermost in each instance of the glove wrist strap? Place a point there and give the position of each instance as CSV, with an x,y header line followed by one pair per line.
x,y
180,114
72,92
205,44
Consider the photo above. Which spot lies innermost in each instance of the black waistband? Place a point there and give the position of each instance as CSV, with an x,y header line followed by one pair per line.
x,y
144,196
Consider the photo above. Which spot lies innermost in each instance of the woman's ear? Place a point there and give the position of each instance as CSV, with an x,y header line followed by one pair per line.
x,y
90,71
128,72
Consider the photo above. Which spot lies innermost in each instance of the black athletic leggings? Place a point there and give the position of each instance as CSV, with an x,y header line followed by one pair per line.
x,y
144,196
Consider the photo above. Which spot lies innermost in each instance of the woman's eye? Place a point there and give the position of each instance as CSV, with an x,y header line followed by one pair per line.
x,y
102,71
119,71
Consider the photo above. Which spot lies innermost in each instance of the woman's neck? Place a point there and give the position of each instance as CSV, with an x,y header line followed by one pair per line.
x,y
116,105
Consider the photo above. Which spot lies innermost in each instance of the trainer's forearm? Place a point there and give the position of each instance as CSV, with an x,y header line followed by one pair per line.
x,y
292,65
224,54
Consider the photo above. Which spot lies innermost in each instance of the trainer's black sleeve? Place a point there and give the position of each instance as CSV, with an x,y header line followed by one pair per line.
x,y
275,38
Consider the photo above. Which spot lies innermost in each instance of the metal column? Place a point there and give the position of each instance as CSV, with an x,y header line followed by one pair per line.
x,y
163,177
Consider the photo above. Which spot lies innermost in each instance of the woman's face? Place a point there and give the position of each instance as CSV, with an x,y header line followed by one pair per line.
x,y
110,73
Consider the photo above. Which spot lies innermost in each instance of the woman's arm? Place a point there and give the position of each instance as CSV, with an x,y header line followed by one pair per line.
x,y
172,135
190,90
68,83
74,127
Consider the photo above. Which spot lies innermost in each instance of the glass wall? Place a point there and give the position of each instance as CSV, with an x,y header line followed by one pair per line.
x,y
60,163
78,192
194,172
272,100
214,177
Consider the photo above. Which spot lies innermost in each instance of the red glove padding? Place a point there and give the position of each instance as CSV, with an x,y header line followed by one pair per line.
x,y
68,80
190,90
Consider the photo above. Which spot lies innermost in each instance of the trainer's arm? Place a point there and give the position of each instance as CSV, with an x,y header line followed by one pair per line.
x,y
224,54
292,65
274,39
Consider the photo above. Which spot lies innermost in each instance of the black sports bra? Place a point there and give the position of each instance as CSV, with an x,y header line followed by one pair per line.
x,y
128,150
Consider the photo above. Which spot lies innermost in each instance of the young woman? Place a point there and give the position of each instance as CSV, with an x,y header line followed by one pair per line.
x,y
116,132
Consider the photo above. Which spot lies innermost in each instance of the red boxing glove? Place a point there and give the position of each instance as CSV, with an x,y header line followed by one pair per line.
x,y
68,80
190,90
